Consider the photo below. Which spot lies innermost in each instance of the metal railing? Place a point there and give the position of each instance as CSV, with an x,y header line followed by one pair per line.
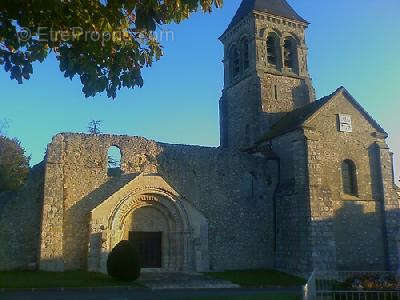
x,y
327,286
358,295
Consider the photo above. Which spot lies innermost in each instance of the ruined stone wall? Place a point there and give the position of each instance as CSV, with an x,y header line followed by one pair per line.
x,y
229,188
293,249
348,232
20,215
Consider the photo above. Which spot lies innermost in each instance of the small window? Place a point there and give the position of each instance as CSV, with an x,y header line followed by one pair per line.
x,y
349,177
272,49
234,61
245,53
114,162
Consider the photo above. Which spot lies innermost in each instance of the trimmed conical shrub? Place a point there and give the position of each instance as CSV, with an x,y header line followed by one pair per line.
x,y
123,262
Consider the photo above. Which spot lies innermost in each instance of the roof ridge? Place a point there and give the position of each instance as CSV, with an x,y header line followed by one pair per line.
x,y
298,117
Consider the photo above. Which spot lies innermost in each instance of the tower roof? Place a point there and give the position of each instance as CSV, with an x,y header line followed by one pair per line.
x,y
275,7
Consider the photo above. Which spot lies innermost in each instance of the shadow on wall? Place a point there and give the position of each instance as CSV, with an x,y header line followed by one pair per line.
x,y
292,243
79,213
20,223
346,235
300,95
359,233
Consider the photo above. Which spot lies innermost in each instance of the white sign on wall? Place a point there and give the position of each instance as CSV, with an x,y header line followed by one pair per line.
x,y
345,123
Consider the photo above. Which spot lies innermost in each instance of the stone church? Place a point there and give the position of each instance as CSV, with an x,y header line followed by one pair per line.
x,y
297,184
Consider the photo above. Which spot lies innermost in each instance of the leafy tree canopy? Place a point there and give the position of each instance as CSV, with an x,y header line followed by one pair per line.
x,y
104,42
14,164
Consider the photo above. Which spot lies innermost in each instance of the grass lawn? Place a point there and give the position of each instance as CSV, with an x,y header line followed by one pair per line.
x,y
39,279
266,296
259,278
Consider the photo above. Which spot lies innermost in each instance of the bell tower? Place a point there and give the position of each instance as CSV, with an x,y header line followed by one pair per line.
x,y
265,70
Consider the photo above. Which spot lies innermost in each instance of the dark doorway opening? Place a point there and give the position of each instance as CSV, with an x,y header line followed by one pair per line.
x,y
148,245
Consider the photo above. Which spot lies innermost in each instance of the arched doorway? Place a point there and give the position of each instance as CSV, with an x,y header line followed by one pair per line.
x,y
160,230
171,231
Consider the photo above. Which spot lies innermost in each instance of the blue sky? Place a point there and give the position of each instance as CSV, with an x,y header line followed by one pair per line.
x,y
351,43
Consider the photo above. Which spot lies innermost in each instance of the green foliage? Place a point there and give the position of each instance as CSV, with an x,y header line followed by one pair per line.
x,y
123,262
105,43
14,164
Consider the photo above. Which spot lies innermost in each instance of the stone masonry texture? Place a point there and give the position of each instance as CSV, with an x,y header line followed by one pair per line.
x,y
271,196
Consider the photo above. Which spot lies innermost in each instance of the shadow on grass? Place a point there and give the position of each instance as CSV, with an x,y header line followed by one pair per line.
x,y
40,279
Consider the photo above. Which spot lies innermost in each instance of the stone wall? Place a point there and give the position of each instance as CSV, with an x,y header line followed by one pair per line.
x,y
257,97
284,28
20,215
293,248
226,186
291,93
348,231
239,110
390,203
282,89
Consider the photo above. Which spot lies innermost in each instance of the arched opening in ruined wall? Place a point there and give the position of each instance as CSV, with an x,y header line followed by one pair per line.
x,y
114,156
172,236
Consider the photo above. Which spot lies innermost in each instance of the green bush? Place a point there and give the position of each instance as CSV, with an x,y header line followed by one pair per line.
x,y
14,164
123,262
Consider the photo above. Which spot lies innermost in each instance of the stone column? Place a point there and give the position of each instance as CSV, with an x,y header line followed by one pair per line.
x,y
51,248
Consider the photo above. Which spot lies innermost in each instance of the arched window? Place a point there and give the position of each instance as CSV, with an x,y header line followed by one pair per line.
x,y
290,53
273,49
349,177
114,162
245,53
234,60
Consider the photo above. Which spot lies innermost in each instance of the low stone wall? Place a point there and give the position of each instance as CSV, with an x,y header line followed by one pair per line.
x,y
20,215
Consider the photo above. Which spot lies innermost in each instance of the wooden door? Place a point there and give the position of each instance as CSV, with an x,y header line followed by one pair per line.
x,y
148,245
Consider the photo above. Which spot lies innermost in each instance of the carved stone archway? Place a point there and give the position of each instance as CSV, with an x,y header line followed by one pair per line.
x,y
184,232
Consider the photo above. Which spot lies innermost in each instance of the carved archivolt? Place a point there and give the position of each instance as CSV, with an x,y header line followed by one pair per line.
x,y
145,197
179,249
